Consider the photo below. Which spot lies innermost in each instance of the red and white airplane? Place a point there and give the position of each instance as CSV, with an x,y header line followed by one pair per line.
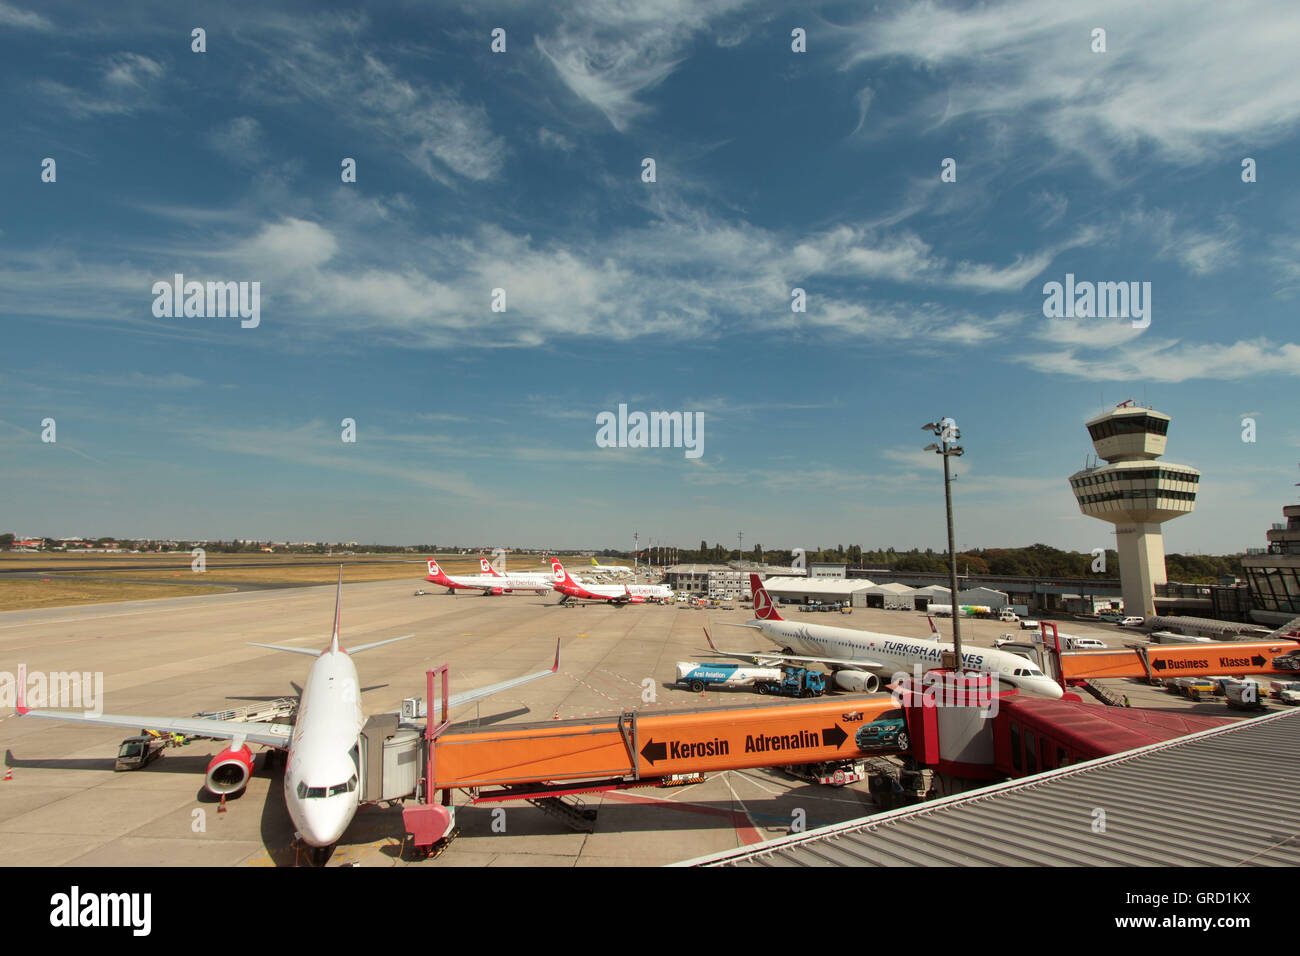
x,y
493,583
520,580
322,744
568,587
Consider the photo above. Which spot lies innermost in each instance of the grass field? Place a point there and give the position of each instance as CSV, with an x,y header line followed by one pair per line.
x,y
88,587
63,590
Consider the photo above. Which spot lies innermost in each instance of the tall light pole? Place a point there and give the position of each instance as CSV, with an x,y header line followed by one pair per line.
x,y
636,536
740,546
947,432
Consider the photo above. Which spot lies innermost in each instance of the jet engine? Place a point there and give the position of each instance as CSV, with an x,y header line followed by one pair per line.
x,y
857,681
229,770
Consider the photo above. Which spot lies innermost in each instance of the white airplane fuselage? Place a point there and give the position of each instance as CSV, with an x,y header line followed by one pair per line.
x,y
903,653
322,774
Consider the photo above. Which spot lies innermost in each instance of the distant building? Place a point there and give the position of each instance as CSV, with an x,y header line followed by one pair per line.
x,y
1274,575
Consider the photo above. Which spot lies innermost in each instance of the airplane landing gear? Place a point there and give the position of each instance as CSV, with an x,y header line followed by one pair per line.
x,y
320,855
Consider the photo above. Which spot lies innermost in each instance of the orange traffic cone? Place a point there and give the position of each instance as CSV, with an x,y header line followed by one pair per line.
x,y
221,807
9,772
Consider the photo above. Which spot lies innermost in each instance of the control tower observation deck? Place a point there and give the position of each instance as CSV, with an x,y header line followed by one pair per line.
x,y
1137,494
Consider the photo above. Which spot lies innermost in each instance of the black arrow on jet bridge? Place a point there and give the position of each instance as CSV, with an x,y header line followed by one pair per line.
x,y
1159,664
653,751
1257,661
833,735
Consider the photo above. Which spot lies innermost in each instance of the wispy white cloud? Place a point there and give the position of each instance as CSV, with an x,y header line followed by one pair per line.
x,y
609,53
1034,62
1170,360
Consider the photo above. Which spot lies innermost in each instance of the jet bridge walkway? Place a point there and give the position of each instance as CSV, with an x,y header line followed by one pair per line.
x,y
546,760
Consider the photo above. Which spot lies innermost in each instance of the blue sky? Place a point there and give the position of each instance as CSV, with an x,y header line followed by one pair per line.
x,y
522,171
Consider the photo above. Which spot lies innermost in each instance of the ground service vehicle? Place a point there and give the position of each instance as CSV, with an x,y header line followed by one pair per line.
x,y
1084,644
795,682
1243,695
137,752
1195,687
699,677
1287,691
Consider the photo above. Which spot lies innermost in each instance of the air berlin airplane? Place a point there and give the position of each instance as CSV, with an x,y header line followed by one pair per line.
x,y
613,593
322,744
519,580
494,583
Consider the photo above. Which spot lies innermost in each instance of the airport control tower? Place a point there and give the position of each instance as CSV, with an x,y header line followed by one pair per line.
x,y
1136,494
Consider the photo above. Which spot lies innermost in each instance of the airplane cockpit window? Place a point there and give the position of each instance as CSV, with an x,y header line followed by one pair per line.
x,y
344,787
309,793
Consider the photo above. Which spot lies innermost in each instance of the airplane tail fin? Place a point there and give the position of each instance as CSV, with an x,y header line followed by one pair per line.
x,y
436,574
595,563
557,571
934,631
488,568
338,608
764,608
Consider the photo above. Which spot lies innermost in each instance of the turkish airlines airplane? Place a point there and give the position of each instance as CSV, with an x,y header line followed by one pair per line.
x,y
494,583
563,582
861,659
323,744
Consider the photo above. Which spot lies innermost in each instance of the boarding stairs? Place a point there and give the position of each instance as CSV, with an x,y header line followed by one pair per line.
x,y
571,811
1106,696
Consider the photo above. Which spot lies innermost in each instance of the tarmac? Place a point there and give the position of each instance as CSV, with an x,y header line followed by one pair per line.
x,y
65,805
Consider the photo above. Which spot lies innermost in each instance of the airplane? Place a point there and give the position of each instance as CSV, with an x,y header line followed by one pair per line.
x,y
322,746
864,657
521,580
495,583
619,594
598,568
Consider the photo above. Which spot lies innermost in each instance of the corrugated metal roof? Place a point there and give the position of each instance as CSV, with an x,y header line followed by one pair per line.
x,y
1222,797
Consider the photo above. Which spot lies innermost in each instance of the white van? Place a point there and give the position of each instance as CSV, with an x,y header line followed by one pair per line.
x,y
1085,644
1008,616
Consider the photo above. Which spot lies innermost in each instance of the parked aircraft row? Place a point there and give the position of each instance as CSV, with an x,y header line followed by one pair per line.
x,y
492,581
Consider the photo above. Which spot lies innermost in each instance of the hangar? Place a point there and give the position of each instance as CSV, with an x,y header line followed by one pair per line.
x,y
804,590
893,596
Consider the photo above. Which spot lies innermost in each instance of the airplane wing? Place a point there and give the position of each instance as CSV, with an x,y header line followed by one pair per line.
x,y
468,696
776,657
268,735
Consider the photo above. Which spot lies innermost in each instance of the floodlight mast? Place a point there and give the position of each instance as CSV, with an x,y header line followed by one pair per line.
x,y
947,432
